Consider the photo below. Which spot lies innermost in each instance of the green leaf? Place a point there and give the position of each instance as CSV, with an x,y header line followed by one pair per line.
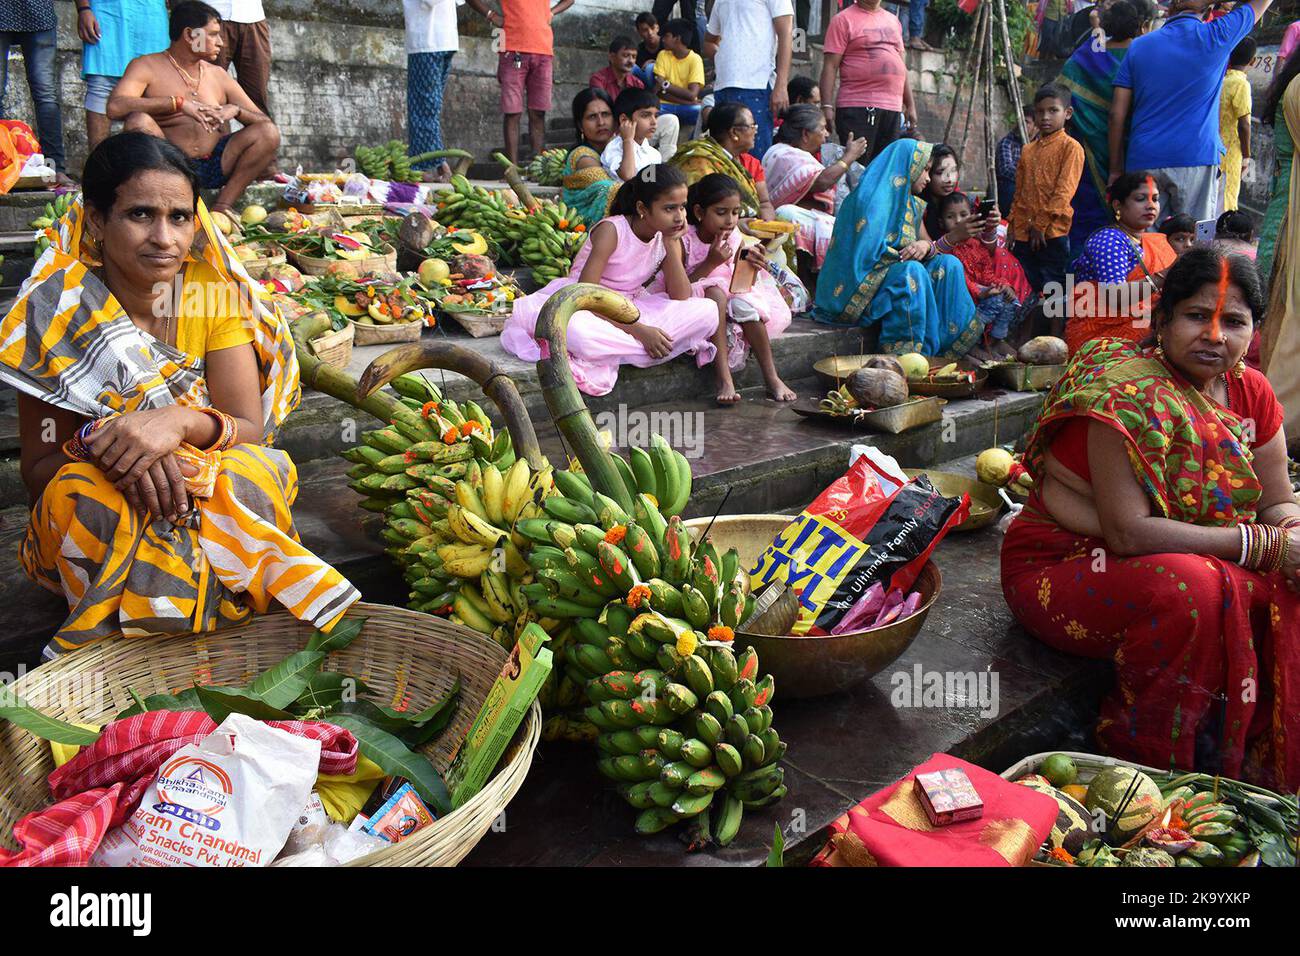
x,y
397,760
280,686
385,718
344,633
221,702
17,711
776,857
327,689
434,719
188,699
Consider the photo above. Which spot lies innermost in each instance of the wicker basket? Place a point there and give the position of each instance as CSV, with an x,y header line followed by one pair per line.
x,y
1089,765
335,348
386,261
401,654
367,334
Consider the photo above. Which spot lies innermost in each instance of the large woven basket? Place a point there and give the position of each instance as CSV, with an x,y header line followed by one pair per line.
x,y
402,655
335,348
367,334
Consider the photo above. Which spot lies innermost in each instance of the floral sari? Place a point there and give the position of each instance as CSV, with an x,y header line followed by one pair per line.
x,y
1202,647
589,190
68,342
700,157
920,306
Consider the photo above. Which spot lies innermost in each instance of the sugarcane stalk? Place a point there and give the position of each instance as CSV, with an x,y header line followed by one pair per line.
x,y
496,385
563,399
331,381
516,182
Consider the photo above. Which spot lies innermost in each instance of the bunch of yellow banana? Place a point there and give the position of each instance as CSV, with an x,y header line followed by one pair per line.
x,y
838,401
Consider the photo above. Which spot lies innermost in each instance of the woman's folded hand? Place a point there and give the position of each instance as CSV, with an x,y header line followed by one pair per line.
x,y
161,491
128,446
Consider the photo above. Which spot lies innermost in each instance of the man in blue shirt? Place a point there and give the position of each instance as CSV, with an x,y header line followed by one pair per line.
x,y
1170,82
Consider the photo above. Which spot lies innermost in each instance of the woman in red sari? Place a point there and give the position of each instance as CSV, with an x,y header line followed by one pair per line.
x,y
1163,534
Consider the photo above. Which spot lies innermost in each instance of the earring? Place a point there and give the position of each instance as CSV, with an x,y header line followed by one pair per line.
x,y
90,249
1160,349
1239,369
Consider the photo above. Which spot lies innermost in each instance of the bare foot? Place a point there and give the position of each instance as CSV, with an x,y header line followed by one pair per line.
x,y
780,391
980,354
727,394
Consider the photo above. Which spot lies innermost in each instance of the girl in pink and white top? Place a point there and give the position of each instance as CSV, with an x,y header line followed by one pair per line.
x,y
641,238
755,317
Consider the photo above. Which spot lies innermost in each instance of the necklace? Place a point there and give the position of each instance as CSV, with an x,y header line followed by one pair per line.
x,y
190,81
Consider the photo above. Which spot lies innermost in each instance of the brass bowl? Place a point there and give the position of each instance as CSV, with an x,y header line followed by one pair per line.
x,y
985,503
810,666
1020,377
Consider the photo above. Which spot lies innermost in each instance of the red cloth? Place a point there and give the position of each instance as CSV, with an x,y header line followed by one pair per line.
x,y
753,166
1250,396
101,786
890,828
984,266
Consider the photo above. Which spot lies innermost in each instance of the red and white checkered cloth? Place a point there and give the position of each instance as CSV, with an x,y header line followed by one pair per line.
x,y
100,787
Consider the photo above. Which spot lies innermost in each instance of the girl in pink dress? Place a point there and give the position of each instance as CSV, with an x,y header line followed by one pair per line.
x,y
755,317
641,238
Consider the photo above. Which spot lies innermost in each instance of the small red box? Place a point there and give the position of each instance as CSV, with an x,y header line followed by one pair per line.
x,y
948,797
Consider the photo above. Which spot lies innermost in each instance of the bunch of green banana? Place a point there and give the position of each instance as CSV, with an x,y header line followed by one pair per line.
x,y
549,238
547,167
51,214
1219,830
473,207
390,162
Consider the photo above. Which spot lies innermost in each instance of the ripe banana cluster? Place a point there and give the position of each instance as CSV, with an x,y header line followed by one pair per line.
x,y
685,724
51,214
544,238
547,167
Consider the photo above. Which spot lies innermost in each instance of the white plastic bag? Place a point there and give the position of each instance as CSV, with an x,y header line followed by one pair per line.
x,y
230,800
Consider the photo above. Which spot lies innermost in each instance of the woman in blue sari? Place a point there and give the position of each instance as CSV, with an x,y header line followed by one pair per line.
x,y
881,267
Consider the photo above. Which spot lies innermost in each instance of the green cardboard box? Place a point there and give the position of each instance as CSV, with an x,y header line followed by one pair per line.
x,y
516,688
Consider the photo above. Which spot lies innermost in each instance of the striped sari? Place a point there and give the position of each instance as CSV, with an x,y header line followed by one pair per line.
x,y
68,343
1089,75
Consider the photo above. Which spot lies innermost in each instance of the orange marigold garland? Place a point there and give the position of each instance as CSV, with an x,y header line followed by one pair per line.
x,y
639,595
616,534
720,632
450,436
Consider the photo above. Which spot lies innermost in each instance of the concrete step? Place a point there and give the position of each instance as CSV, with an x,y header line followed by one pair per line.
x,y
17,209
759,456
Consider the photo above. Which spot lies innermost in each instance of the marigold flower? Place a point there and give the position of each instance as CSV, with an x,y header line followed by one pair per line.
x,y
1061,855
720,632
580,228
616,534
450,435
470,426
638,595
686,643
430,408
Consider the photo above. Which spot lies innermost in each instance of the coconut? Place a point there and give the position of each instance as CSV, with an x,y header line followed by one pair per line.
x,y
472,267
1147,856
1044,350
886,362
915,365
877,388
993,466
276,221
1106,794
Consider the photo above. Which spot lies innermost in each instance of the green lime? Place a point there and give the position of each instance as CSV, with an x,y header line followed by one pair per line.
x,y
1059,769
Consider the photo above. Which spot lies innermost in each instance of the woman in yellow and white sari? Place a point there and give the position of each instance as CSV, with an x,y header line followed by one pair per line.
x,y
152,378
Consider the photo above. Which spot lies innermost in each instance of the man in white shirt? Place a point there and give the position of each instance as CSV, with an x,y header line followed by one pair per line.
x,y
431,42
751,42
247,39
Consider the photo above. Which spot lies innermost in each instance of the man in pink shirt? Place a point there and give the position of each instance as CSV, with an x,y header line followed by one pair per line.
x,y
523,65
618,76
864,51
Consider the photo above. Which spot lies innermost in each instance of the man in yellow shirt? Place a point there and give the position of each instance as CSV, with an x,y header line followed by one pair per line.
x,y
1234,120
679,74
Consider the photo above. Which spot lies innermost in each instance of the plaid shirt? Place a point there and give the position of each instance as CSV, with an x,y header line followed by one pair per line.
x,y
1008,158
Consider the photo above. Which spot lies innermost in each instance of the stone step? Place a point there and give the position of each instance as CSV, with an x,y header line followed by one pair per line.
x,y
19,208
759,456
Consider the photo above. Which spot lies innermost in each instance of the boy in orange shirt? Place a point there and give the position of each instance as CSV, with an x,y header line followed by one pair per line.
x,y
1046,178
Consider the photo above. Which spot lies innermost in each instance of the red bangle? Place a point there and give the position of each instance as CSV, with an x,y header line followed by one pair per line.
x,y
229,429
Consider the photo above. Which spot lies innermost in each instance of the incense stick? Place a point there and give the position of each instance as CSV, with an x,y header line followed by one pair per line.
x,y
709,527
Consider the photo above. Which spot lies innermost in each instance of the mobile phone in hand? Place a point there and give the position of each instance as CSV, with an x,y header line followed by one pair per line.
x,y
743,273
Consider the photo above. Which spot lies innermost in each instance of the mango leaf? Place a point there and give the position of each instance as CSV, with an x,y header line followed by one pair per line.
x,y
221,702
385,718
776,856
395,759
327,689
434,719
344,633
17,711
280,686
188,699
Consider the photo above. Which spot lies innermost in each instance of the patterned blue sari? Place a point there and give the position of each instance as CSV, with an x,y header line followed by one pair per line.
x,y
921,306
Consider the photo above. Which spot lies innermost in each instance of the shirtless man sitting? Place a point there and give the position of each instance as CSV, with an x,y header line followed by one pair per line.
x,y
180,96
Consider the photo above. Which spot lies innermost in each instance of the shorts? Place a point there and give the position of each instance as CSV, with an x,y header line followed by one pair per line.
x,y
98,89
520,72
208,168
